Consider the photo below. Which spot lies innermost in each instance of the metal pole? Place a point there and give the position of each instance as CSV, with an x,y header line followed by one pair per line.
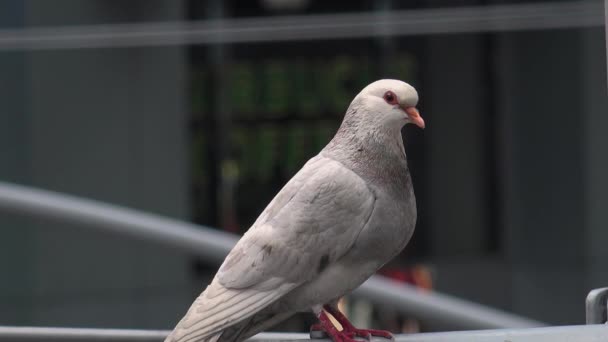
x,y
30,334
465,19
442,311
209,244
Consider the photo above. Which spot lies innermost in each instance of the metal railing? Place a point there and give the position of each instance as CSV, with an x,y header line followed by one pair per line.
x,y
462,19
579,333
445,312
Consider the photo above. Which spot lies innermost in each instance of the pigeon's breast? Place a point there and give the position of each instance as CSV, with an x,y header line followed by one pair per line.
x,y
390,227
393,217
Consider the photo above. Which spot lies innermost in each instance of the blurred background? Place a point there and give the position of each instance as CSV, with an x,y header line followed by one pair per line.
x,y
135,103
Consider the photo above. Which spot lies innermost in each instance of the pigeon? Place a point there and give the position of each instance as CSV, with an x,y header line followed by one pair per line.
x,y
346,213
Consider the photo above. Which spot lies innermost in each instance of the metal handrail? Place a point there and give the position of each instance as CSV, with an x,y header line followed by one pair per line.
x,y
578,333
212,245
462,19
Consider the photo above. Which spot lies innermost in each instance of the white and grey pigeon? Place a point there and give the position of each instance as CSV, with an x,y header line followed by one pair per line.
x,y
346,213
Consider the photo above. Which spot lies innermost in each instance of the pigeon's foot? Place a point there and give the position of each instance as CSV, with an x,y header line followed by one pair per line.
x,y
325,325
349,329
349,333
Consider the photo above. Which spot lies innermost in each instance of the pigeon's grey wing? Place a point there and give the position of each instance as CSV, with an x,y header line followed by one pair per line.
x,y
312,222
302,233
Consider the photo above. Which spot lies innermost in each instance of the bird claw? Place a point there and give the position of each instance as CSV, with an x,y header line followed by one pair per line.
x,y
383,334
354,335
368,334
349,333
365,335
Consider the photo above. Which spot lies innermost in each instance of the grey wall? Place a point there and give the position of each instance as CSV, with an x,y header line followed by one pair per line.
x,y
550,131
455,144
595,105
108,124
545,235
554,107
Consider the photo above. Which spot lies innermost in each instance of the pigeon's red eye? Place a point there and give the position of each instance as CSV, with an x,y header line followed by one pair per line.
x,y
390,98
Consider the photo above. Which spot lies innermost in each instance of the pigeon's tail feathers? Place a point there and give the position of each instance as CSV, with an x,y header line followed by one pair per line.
x,y
218,308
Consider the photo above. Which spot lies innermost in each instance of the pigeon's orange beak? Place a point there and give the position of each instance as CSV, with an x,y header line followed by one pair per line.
x,y
414,116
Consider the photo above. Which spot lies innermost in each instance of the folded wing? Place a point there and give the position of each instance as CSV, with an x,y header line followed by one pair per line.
x,y
311,223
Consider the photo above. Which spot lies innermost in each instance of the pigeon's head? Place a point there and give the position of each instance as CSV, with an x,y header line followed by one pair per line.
x,y
391,102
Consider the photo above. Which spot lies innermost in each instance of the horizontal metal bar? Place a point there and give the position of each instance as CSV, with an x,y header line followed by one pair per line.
x,y
578,333
573,333
209,244
23,334
213,245
489,18
438,310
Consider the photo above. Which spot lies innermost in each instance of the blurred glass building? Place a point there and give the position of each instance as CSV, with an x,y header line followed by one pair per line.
x,y
202,110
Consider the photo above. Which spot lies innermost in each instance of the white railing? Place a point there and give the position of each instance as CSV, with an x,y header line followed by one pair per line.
x,y
461,19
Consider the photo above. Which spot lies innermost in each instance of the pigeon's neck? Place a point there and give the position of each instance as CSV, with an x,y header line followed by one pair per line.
x,y
355,136
372,152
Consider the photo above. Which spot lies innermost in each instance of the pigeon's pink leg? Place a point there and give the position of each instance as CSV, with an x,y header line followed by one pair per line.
x,y
348,328
326,325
